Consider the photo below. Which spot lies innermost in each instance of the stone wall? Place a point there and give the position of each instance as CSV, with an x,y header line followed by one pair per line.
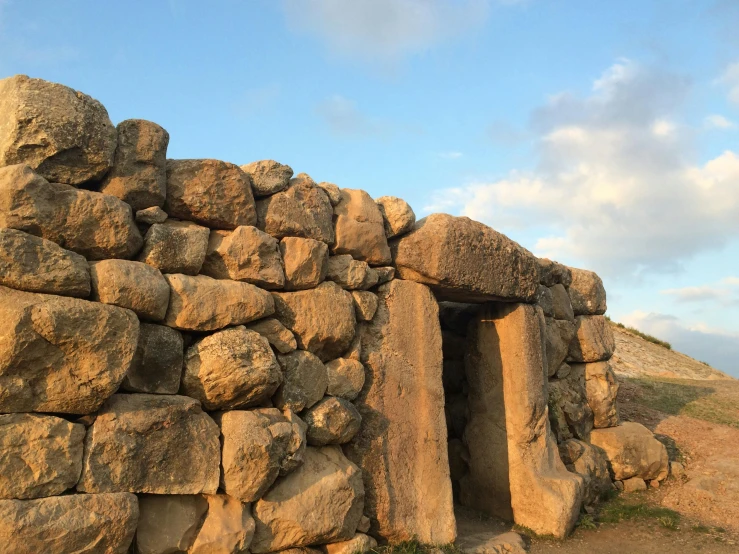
x,y
209,358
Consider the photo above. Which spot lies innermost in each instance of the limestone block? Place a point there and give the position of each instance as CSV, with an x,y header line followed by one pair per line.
x,y
634,484
345,378
34,264
561,303
401,352
60,354
397,215
201,303
384,274
89,523
157,365
98,226
233,368
305,261
559,335
545,299
356,545
296,512
360,228
601,389
570,414
347,272
268,177
632,451
332,421
41,455
594,341
587,293
210,192
552,273
465,261
139,172
66,136
228,527
276,333
289,434
175,247
365,304
245,254
303,210
332,191
151,443
590,463
150,216
322,319
305,381
515,469
133,285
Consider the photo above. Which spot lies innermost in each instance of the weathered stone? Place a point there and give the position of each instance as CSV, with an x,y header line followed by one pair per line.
x,y
545,299
559,335
89,523
245,254
569,412
60,354
677,470
152,444
210,192
34,264
322,319
332,191
465,261
458,459
490,543
228,527
561,303
201,303
276,333
403,437
150,216
305,381
601,389
358,544
364,524
139,172
96,225
296,512
268,177
345,378
233,368
303,210
397,215
371,279
289,434
332,421
175,247
587,293
594,340
365,305
552,273
41,455
360,229
384,274
133,285
634,484
515,470
564,371
632,451
157,365
590,463
64,135
305,261
347,272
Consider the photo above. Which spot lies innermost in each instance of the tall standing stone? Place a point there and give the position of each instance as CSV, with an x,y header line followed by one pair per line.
x,y
360,228
402,443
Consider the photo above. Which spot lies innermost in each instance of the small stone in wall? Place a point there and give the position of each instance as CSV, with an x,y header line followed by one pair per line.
x,y
332,421
634,484
360,228
347,272
558,336
356,545
276,333
561,303
133,285
365,304
397,215
288,432
552,273
150,216
591,463
157,365
594,341
345,378
175,247
268,177
332,191
545,299
305,381
305,261
384,274
602,389
587,293
570,415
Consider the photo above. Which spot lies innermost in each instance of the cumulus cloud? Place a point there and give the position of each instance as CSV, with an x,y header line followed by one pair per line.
x,y
384,29
718,122
616,185
730,78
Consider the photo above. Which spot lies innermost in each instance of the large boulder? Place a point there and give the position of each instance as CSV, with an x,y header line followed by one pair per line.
x,y
305,261
245,254
201,303
139,172
318,503
96,225
594,341
60,354
89,523
587,293
268,177
133,285
403,437
64,135
233,368
210,192
360,228
515,469
601,389
157,365
590,463
303,210
569,412
152,444
465,261
332,421
34,264
322,319
397,215
632,451
175,247
41,455
305,381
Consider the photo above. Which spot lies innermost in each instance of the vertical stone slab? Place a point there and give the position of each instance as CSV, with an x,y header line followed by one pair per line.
x,y
402,444
513,454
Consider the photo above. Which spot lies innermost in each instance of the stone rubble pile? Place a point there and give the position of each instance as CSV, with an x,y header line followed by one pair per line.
x,y
209,358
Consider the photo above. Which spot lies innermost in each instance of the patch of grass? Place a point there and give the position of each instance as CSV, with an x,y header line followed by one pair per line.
x,y
415,547
587,521
523,530
619,510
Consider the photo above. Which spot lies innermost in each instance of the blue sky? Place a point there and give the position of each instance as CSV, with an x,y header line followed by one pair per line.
x,y
602,134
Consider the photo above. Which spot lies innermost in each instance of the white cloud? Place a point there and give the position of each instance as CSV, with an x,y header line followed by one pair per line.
x,y
450,155
730,281
384,29
700,294
731,79
718,122
615,185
